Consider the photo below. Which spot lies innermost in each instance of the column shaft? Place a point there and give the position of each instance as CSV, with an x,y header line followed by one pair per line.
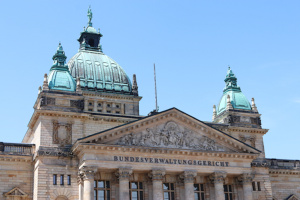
x,y
247,187
157,181
88,191
189,191
218,179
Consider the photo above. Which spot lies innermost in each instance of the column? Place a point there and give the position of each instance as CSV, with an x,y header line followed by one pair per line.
x,y
86,103
87,174
95,106
124,175
188,178
246,179
80,186
217,179
157,181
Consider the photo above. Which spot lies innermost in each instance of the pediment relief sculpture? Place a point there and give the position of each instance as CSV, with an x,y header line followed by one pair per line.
x,y
170,135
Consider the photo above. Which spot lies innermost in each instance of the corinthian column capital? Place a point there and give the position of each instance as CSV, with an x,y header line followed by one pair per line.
x,y
245,178
124,173
157,174
188,176
86,173
217,177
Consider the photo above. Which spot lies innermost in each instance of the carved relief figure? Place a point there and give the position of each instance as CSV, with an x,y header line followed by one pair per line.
x,y
171,136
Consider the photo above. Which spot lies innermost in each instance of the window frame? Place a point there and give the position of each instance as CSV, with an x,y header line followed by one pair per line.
x,y
139,190
104,188
200,192
170,191
54,179
229,193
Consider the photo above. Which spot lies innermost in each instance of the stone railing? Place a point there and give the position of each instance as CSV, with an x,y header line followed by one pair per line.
x,y
16,148
283,164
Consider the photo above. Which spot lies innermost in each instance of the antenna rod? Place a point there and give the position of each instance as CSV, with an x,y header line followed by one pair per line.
x,y
156,107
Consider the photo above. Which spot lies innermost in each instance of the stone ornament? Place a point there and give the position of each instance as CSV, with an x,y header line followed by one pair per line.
x,y
245,178
217,177
292,197
157,175
62,133
251,139
188,176
171,136
124,173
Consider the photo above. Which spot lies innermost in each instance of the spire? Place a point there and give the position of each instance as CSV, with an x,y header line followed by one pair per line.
x,y
229,105
78,87
214,113
90,16
134,86
231,81
253,106
59,58
45,83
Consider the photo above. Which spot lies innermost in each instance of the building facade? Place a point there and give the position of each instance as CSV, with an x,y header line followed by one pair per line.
x,y
87,141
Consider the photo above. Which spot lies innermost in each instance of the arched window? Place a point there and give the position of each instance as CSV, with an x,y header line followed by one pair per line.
x,y
91,42
61,198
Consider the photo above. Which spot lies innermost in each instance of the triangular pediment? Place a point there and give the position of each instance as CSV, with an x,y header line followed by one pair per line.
x,y
292,197
170,129
16,192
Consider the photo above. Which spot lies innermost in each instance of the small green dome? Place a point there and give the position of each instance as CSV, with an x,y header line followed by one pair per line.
x,y
237,98
59,77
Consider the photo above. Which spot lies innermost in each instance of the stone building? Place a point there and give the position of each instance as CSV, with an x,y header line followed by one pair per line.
x,y
87,141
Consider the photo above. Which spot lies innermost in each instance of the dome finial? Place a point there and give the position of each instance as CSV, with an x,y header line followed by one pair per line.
x,y
59,58
231,81
90,16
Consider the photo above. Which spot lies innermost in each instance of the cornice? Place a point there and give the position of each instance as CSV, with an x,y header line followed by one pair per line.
x,y
79,148
246,130
111,96
284,171
15,158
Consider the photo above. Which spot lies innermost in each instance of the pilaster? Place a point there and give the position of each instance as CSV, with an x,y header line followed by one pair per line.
x,y
246,180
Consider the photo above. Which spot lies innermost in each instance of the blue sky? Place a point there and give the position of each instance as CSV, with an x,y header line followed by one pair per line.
x,y
191,42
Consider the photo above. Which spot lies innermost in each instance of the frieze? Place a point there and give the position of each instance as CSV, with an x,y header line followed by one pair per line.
x,y
55,151
171,136
47,101
77,104
170,161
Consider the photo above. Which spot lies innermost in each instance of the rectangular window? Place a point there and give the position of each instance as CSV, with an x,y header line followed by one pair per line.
x,y
101,190
199,191
253,186
136,191
169,191
258,186
54,179
69,180
61,179
228,192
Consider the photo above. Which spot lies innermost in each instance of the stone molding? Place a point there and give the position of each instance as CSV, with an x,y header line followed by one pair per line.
x,y
245,178
217,177
124,173
245,138
188,176
157,174
68,130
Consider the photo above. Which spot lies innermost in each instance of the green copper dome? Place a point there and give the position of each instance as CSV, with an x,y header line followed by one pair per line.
x,y
237,98
97,71
59,77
